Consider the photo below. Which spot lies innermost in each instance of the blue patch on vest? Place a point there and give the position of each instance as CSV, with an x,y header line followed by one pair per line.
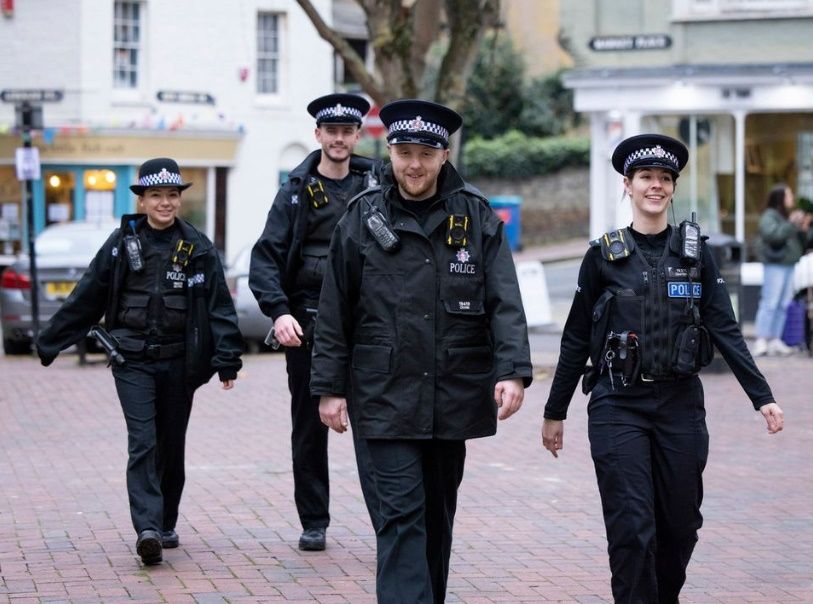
x,y
680,289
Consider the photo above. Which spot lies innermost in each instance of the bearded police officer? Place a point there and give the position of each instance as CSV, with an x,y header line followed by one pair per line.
x,y
159,284
648,306
421,340
287,265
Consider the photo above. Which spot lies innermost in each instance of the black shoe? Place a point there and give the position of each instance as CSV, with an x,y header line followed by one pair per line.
x,y
148,547
169,539
312,540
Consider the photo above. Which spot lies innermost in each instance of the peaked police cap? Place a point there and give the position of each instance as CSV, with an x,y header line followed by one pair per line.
x,y
339,108
650,151
159,172
419,122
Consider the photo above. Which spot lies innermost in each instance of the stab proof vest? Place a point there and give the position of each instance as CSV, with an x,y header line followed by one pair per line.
x,y
153,301
654,302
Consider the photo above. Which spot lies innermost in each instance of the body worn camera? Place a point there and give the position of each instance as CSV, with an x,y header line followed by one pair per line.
x,y
316,192
457,229
690,236
381,230
183,251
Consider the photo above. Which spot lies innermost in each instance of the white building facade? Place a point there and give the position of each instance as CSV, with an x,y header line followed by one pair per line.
x,y
219,86
732,78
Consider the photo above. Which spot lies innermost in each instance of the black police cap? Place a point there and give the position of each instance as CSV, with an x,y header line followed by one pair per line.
x,y
650,151
339,108
159,172
419,122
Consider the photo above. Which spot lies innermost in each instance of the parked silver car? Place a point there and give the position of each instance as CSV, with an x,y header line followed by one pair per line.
x,y
254,325
64,251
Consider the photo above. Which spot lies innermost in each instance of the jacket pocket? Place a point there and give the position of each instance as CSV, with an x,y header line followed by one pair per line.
x,y
463,295
371,357
175,313
133,311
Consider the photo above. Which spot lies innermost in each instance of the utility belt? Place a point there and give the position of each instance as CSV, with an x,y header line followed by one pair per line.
x,y
136,346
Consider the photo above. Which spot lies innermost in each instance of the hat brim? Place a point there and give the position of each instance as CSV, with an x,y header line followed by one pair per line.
x,y
139,189
418,139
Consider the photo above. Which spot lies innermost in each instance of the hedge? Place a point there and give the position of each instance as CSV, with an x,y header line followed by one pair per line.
x,y
515,155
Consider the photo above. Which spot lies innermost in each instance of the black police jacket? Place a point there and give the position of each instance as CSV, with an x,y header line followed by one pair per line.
x,y
633,298
213,340
276,255
417,339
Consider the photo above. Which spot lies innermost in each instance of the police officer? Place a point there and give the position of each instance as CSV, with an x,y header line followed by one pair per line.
x,y
421,339
159,284
287,265
649,304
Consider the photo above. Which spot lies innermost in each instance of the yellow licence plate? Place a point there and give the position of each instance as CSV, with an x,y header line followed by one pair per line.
x,y
55,290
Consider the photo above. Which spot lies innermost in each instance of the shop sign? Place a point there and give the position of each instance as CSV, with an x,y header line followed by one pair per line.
x,y
31,96
634,42
175,96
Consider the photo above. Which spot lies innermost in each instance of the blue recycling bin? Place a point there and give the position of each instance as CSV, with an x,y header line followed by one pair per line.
x,y
507,208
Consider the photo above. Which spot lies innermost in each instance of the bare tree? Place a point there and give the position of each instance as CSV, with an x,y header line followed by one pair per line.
x,y
401,32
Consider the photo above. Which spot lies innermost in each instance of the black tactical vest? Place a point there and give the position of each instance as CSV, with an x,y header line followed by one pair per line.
x,y
654,302
153,301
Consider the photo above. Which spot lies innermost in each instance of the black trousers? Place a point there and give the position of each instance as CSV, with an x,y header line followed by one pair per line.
x,y
649,445
309,450
156,405
417,483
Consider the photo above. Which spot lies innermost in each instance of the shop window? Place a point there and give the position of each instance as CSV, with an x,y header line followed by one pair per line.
x,y
59,196
11,211
100,186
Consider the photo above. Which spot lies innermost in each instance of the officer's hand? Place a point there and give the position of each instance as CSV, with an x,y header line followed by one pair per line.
x,y
508,395
288,330
333,412
553,435
773,417
227,384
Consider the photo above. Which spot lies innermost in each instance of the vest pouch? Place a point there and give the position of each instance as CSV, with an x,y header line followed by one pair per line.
x,y
589,379
174,318
599,328
692,350
133,311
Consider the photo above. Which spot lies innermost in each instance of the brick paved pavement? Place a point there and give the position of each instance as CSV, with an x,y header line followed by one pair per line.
x,y
528,529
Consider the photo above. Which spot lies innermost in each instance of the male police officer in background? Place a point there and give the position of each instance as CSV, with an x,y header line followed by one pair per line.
x,y
421,338
287,265
159,283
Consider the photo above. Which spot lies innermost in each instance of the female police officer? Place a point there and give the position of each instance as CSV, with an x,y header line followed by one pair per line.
x,y
648,305
160,286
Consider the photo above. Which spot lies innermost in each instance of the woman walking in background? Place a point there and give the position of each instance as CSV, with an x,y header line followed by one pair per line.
x,y
780,244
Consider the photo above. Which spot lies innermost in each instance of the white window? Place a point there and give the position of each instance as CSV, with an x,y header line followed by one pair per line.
x,y
126,44
268,53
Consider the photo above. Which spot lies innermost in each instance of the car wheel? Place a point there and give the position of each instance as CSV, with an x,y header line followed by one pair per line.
x,y
16,347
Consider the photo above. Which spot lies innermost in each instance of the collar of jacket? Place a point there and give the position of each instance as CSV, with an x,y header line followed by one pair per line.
x,y
188,231
449,180
358,163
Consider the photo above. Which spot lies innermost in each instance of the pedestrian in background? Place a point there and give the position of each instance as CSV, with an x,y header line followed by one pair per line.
x,y
421,340
648,306
159,284
781,241
287,266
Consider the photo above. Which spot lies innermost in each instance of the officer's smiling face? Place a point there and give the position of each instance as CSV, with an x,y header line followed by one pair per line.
x,y
651,190
416,168
161,205
337,140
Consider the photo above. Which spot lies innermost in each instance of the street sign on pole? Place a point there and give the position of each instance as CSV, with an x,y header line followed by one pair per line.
x,y
372,123
31,96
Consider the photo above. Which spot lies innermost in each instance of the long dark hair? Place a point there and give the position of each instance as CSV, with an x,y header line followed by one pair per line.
x,y
776,199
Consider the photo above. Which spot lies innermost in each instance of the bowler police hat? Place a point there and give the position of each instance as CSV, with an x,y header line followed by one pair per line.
x,y
159,172
339,109
419,122
650,151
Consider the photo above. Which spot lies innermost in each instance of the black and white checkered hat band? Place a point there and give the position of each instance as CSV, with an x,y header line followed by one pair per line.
x,y
653,153
418,125
339,111
164,177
